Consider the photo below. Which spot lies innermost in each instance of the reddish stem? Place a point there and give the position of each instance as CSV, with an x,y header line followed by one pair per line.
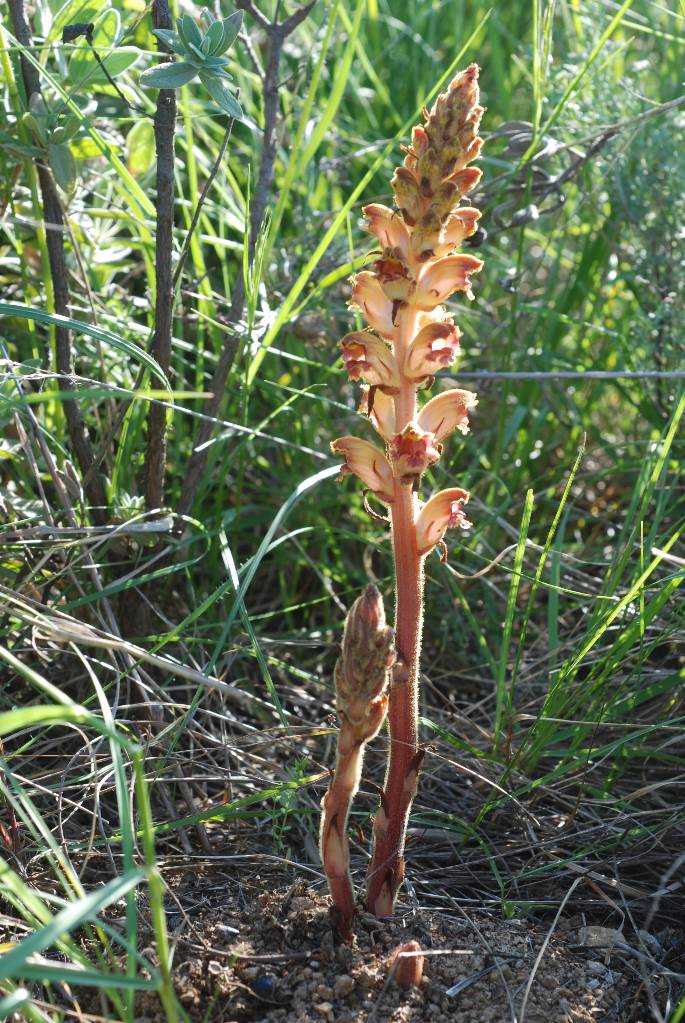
x,y
386,871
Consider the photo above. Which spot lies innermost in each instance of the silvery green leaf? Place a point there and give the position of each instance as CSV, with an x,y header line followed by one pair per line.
x,y
191,32
62,165
207,18
171,40
168,76
231,28
215,62
221,94
196,51
214,38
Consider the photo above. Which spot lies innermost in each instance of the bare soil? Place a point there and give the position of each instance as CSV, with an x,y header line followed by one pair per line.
x,y
274,958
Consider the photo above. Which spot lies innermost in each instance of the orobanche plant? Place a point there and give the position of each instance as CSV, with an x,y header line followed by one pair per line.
x,y
410,336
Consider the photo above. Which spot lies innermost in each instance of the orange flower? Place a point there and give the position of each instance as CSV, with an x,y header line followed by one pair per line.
x,y
442,512
388,227
367,357
447,412
445,276
394,276
368,463
435,347
412,451
461,225
368,295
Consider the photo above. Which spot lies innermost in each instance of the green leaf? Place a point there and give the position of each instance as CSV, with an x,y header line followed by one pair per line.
x,y
221,94
191,33
83,68
167,76
85,149
36,125
62,165
171,40
140,148
231,26
214,37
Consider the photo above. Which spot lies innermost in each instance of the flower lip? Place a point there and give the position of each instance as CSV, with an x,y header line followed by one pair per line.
x,y
368,463
444,511
412,451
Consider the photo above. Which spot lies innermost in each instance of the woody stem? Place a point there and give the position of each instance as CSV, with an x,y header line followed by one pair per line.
x,y
386,871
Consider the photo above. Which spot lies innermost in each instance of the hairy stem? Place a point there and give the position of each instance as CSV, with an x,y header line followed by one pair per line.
x,y
386,870
334,844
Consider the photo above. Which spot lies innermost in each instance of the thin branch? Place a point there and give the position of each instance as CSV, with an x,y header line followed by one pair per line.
x,y
277,33
165,118
198,209
54,218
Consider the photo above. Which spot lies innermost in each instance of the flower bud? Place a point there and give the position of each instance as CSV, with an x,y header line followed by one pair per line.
x,y
407,965
362,670
407,195
447,412
367,357
442,512
368,463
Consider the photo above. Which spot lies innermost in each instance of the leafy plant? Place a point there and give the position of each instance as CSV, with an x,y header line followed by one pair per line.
x,y
203,56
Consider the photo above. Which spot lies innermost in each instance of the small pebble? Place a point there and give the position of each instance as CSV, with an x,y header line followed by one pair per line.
x,y
344,985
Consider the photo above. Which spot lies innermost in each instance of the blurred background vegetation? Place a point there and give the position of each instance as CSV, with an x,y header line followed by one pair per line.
x,y
555,676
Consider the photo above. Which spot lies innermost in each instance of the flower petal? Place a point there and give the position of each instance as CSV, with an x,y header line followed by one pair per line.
x,y
369,296
368,463
412,451
388,227
380,408
447,412
442,512
435,346
367,357
445,276
394,275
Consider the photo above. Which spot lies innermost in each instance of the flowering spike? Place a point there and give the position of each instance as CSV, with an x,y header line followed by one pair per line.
x,y
401,295
361,686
